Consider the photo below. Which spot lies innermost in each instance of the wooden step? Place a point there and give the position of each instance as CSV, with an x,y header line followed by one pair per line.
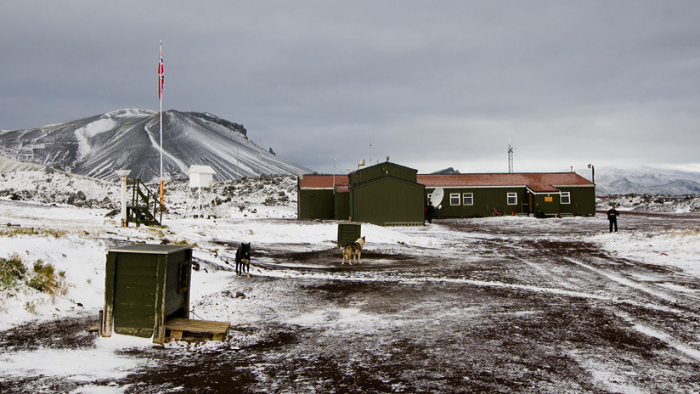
x,y
180,327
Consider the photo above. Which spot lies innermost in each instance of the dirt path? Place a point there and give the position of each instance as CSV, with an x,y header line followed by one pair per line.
x,y
506,311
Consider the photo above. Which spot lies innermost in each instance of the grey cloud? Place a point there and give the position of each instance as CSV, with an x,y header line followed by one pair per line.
x,y
431,84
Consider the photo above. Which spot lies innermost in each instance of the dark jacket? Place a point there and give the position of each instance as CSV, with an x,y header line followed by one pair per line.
x,y
613,214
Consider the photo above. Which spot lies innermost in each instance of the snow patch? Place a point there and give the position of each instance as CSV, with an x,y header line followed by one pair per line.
x,y
91,130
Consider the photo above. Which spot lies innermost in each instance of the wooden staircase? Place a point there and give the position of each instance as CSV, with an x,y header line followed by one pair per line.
x,y
144,207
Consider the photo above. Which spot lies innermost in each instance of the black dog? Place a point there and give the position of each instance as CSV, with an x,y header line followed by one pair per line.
x,y
243,260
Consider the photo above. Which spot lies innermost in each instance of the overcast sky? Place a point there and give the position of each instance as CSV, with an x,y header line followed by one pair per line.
x,y
433,84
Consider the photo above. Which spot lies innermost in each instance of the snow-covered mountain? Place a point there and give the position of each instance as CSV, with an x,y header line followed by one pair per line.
x,y
129,139
646,180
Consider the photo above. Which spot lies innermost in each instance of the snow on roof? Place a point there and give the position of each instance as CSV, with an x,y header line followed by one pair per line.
x,y
200,170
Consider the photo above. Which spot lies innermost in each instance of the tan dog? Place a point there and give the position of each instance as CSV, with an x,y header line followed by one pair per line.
x,y
353,250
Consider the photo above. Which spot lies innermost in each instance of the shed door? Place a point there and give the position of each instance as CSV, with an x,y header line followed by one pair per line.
x,y
134,294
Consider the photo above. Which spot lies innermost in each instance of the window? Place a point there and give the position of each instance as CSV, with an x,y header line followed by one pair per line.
x,y
468,198
512,198
454,198
566,197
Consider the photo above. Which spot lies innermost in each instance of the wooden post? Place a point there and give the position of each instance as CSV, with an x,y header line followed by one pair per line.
x,y
108,318
159,324
100,318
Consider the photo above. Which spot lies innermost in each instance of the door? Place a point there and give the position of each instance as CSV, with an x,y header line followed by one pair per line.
x,y
134,294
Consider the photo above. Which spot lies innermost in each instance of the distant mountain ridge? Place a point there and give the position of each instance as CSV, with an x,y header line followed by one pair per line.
x,y
130,139
646,180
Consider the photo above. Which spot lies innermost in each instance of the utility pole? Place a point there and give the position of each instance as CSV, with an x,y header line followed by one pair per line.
x,y
161,80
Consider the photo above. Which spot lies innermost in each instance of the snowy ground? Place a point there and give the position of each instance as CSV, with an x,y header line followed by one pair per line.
x,y
511,304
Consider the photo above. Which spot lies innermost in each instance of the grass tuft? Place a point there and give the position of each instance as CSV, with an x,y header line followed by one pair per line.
x,y
11,271
31,231
46,279
43,277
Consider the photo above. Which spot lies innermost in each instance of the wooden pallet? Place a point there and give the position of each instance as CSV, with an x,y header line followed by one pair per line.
x,y
180,328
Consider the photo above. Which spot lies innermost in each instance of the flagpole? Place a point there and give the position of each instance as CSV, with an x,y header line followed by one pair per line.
x,y
160,100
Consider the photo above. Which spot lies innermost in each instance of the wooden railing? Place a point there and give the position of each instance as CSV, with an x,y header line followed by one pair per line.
x,y
144,207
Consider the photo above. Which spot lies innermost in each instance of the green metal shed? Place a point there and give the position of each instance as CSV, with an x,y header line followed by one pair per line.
x,y
145,285
316,204
348,233
388,201
319,199
386,194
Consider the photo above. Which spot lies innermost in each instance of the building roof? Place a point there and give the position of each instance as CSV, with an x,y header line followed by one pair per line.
x,y
150,248
537,182
200,170
322,181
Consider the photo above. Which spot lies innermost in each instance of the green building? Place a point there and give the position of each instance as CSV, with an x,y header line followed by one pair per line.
x,y
323,197
144,286
386,194
539,194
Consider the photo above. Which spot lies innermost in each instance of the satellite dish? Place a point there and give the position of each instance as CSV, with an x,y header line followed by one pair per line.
x,y
437,195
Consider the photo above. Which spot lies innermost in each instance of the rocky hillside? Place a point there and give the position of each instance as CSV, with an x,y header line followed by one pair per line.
x,y
130,139
51,188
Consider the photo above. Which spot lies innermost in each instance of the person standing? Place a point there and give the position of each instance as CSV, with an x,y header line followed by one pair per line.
x,y
612,218
431,212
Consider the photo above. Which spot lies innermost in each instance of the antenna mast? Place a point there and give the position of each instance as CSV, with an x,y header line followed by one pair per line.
x,y
510,159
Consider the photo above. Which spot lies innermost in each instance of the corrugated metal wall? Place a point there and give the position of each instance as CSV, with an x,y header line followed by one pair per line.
x,y
134,289
315,204
546,204
388,201
348,233
342,206
484,200
582,201
144,285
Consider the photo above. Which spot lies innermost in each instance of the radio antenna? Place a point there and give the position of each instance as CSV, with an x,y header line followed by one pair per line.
x,y
510,157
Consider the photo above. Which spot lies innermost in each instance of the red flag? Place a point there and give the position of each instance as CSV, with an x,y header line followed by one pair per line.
x,y
161,75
